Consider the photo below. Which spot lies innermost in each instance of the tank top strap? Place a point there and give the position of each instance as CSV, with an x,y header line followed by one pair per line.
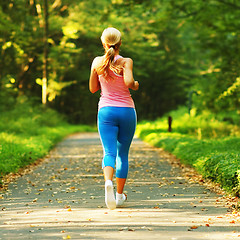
x,y
117,57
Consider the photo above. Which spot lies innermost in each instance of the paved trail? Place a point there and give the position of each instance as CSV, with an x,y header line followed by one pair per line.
x,y
63,198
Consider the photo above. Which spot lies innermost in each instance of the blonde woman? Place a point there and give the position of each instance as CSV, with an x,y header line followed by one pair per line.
x,y
113,74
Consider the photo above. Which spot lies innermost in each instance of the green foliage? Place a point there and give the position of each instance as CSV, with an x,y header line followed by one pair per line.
x,y
177,46
27,133
204,125
222,167
149,36
215,156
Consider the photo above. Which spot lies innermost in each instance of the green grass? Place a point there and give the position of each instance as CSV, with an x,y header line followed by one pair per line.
x,y
28,132
201,126
203,142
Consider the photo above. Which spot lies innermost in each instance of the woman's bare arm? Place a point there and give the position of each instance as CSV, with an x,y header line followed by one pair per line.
x,y
94,84
128,74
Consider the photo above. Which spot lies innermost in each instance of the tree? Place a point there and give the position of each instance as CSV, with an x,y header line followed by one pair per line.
x,y
177,46
45,54
216,27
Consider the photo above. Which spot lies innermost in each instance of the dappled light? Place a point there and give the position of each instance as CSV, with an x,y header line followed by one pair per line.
x,y
177,47
94,223
64,197
209,145
182,57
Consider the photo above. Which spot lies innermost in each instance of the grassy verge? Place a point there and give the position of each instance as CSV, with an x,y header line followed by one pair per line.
x,y
27,133
209,145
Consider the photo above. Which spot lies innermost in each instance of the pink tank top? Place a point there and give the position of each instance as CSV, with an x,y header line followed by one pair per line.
x,y
114,92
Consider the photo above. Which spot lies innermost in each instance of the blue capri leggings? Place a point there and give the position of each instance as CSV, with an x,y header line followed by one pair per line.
x,y
116,126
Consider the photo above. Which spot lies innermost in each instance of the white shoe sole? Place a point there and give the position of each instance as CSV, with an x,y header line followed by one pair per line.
x,y
109,197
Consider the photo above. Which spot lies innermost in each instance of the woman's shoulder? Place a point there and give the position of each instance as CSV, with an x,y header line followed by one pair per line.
x,y
124,60
97,61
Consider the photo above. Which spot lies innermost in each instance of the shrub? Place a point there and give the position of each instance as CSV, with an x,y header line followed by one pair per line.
x,y
214,151
28,132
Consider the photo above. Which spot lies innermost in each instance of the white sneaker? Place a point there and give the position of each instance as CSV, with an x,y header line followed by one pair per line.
x,y
120,199
109,195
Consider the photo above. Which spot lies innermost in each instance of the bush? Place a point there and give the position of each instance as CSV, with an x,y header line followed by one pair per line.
x,y
214,157
201,126
28,132
222,168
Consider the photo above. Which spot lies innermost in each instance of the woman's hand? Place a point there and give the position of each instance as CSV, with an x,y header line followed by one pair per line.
x,y
135,86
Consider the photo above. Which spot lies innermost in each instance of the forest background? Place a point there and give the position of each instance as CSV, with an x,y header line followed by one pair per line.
x,y
179,48
186,56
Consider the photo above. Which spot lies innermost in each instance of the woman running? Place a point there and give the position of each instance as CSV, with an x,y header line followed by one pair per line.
x,y
113,74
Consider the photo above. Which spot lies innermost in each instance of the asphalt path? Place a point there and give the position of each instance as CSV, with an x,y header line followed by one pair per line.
x,y
63,198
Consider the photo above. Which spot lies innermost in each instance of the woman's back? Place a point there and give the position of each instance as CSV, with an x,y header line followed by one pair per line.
x,y
114,91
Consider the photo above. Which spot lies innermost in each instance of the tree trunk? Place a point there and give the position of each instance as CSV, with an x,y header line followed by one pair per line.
x,y
45,54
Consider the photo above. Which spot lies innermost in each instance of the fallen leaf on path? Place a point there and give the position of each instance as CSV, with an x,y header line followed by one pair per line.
x,y
131,230
194,227
67,237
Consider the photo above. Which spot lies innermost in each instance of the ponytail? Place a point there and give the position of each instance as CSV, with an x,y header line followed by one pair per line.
x,y
111,39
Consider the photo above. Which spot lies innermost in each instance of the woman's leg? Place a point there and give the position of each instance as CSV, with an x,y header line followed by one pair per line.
x,y
120,184
127,126
108,133
108,173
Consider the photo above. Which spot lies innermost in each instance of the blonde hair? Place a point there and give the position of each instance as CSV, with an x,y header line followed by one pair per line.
x,y
111,40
